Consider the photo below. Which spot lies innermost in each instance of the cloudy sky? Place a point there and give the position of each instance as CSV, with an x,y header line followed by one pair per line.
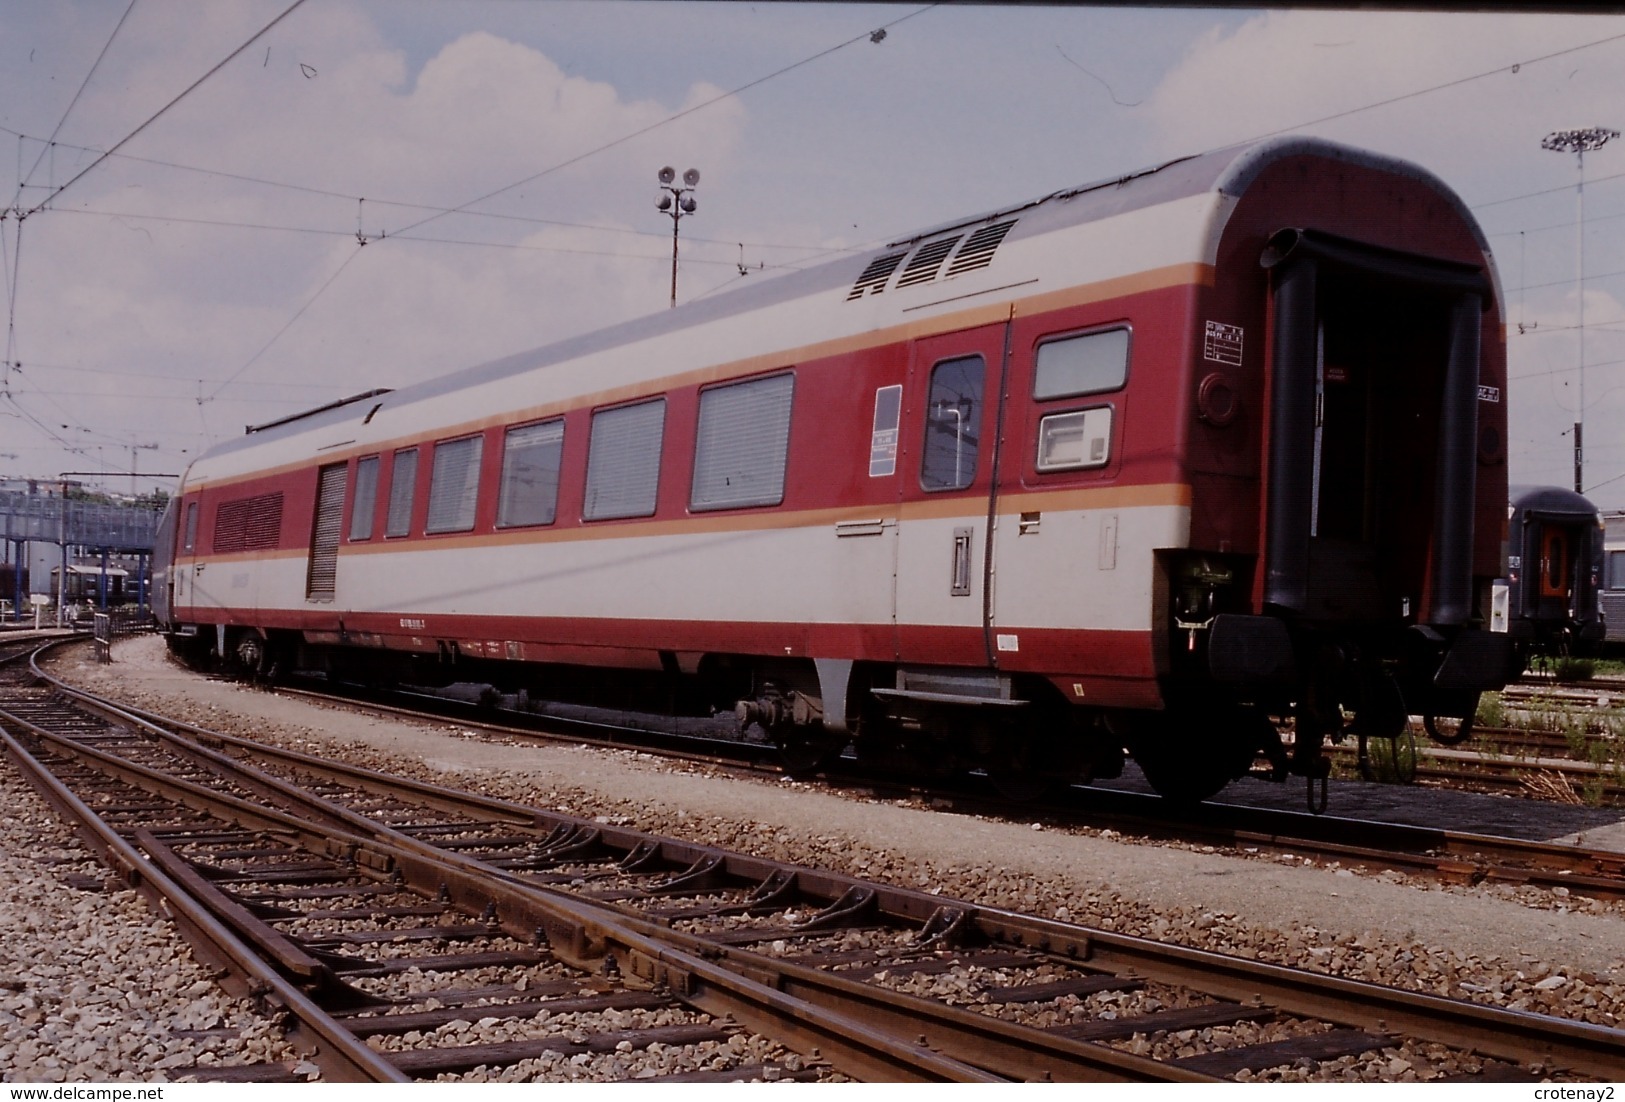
x,y
372,193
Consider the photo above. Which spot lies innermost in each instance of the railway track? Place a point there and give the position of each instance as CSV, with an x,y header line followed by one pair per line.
x,y
1526,764
545,937
1449,856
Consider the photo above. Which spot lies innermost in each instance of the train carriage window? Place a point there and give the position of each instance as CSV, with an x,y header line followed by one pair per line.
x,y
366,498
953,420
1090,363
1554,563
531,456
1616,570
403,480
1075,440
623,460
742,444
454,483
190,542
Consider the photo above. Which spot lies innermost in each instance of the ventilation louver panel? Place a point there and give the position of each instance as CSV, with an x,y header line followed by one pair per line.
x,y
321,574
923,267
979,247
874,277
248,524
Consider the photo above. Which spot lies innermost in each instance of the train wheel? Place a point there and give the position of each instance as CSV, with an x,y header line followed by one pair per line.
x,y
805,750
1187,758
1040,760
1182,782
1023,786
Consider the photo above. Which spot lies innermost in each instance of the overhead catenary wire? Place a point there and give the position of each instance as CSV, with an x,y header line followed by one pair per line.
x,y
464,209
320,231
188,90
578,158
50,143
432,208
866,36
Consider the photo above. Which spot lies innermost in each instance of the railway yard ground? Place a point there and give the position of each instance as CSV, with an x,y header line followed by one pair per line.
x,y
95,987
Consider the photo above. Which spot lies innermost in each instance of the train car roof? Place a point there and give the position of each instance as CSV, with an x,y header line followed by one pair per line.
x,y
1552,500
1228,172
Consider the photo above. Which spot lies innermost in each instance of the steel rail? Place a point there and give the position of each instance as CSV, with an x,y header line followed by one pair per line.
x,y
761,757
1450,855
1593,1050
1463,857
340,1055
584,934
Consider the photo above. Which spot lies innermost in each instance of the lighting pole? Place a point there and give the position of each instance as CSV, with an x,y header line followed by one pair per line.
x,y
133,449
1579,142
676,201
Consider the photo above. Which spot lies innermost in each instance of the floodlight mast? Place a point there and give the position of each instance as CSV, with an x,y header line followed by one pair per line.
x,y
1579,142
676,200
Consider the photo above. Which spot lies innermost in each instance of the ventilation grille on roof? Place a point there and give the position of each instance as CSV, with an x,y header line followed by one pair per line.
x,y
874,277
926,265
923,267
978,250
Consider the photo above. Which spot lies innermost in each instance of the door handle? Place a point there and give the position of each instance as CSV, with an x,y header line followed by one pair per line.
x,y
960,584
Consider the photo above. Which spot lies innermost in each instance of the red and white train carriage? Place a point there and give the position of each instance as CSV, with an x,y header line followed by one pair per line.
x,y
1138,465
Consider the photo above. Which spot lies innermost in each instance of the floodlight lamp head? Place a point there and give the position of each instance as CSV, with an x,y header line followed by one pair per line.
x,y
1582,140
692,176
668,174
663,201
688,204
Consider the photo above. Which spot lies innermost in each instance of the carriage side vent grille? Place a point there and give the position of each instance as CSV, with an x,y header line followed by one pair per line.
x,y
923,267
321,574
979,247
248,524
874,277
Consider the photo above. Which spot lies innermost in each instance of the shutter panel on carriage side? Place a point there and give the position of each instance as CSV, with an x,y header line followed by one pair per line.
x,y
742,444
623,461
454,484
248,524
324,540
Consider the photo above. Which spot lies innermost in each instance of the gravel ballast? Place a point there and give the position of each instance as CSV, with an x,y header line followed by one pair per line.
x,y
1517,948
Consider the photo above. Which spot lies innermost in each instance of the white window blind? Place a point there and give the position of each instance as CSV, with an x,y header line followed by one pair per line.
x,y
623,461
366,498
742,443
530,474
454,485
402,486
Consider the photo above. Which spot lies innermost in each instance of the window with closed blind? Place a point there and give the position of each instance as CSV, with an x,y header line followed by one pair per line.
x,y
454,484
529,491
403,478
623,460
742,443
366,498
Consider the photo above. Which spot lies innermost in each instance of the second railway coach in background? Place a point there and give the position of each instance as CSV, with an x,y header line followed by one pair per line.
x,y
1613,591
1140,466
1554,551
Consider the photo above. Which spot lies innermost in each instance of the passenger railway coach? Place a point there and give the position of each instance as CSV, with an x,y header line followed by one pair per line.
x,y
1143,465
1613,592
1554,552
